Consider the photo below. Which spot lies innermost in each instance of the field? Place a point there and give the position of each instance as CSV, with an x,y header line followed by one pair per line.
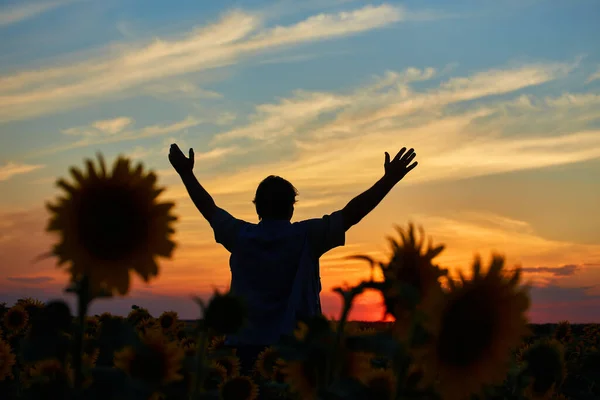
x,y
35,361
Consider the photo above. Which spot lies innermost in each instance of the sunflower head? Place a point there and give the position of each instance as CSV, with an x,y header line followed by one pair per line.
x,y
238,388
545,366
215,375
138,315
266,362
31,305
155,360
7,360
225,313
483,320
168,320
562,333
111,223
231,364
16,318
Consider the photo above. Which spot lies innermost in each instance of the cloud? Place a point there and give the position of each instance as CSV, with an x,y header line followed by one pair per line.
x,y
11,169
179,90
336,140
26,9
30,279
112,126
236,36
565,270
104,132
594,77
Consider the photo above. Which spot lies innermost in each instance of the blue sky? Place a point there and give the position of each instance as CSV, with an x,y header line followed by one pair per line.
x,y
499,98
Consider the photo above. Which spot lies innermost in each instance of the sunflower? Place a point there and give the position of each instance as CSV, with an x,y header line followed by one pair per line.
x,y
216,374
216,343
482,322
156,361
31,305
168,320
7,360
238,388
545,365
562,333
231,364
138,315
16,318
266,362
381,384
111,223
48,371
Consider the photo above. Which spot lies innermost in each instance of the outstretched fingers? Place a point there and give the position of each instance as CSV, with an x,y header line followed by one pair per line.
x,y
400,153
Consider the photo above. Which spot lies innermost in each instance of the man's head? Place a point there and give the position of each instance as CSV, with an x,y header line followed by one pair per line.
x,y
275,198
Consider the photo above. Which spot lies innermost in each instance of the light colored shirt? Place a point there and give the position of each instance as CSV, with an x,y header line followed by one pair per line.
x,y
275,269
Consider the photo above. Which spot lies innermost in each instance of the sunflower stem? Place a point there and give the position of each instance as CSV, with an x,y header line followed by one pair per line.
x,y
200,370
82,308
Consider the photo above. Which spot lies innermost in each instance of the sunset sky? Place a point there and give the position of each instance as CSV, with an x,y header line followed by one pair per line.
x,y
500,99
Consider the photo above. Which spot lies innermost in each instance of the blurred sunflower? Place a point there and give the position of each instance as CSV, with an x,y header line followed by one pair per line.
x,y
266,362
545,366
215,375
156,361
410,267
168,320
138,315
216,343
562,333
48,371
381,384
238,388
230,363
7,360
482,322
31,305
111,223
16,318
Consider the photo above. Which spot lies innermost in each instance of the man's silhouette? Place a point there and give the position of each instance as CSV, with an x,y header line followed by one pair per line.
x,y
275,263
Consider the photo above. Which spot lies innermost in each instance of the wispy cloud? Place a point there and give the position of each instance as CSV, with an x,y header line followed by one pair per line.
x,y
30,279
237,35
11,169
26,9
451,144
104,132
594,77
565,270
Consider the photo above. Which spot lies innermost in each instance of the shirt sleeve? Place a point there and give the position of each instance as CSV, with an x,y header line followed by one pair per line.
x,y
326,233
226,228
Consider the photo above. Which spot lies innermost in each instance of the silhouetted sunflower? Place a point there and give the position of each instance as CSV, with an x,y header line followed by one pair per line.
x,y
168,320
266,362
410,267
545,366
381,384
16,318
238,388
48,371
156,361
215,375
31,305
216,343
225,314
231,364
7,360
562,333
482,322
111,223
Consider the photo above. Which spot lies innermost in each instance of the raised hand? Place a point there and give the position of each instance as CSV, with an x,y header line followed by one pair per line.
x,y
179,161
397,168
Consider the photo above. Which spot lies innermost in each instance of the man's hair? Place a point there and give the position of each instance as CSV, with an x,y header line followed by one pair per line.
x,y
274,197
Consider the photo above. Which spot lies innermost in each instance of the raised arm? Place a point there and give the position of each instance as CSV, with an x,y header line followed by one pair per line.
x,y
365,202
184,167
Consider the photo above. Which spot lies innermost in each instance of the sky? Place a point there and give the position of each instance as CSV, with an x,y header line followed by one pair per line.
x,y
499,99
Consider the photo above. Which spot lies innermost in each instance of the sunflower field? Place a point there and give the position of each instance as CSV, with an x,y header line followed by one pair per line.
x,y
465,339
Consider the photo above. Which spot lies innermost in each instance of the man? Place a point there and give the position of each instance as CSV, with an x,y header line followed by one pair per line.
x,y
275,263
